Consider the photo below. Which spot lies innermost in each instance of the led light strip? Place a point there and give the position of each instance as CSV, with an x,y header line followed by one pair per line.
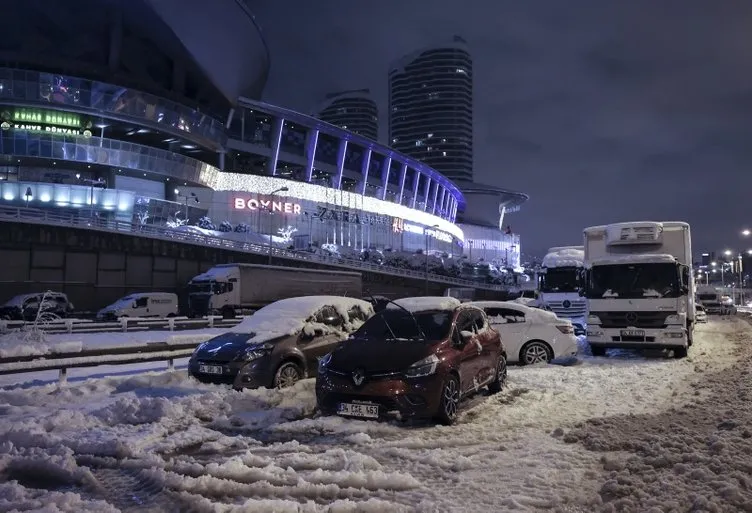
x,y
320,194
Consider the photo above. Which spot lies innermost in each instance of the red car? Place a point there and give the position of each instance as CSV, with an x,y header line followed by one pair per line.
x,y
415,359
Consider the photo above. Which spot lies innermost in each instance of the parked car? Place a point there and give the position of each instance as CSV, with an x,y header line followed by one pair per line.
x,y
415,359
700,314
280,343
25,307
530,335
146,304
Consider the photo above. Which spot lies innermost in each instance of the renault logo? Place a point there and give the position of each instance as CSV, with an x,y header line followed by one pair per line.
x,y
631,317
358,376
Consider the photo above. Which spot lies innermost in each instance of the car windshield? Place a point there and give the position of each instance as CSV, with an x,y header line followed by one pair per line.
x,y
560,279
634,281
397,324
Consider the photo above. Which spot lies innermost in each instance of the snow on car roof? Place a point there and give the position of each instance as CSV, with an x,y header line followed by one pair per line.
x,y
288,316
652,258
536,314
421,304
564,257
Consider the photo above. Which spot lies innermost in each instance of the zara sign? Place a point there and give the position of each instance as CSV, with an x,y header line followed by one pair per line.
x,y
268,205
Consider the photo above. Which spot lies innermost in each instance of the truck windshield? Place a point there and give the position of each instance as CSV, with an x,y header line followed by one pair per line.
x,y
634,281
208,287
707,297
560,279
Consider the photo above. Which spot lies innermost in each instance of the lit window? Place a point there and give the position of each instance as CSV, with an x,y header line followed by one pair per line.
x,y
443,153
462,70
430,135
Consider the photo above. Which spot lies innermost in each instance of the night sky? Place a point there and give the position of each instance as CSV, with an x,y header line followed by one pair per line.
x,y
603,111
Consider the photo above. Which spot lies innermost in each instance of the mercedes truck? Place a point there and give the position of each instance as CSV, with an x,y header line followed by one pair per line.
x,y
639,286
235,289
559,284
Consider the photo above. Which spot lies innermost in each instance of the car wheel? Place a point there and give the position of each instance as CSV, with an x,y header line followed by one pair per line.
x,y
535,352
501,376
287,375
450,401
598,351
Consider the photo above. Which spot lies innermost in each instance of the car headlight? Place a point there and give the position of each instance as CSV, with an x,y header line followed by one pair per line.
x,y
324,361
255,352
424,367
199,348
673,319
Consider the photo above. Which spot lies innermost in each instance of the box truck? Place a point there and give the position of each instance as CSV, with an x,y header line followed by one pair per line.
x,y
233,289
639,286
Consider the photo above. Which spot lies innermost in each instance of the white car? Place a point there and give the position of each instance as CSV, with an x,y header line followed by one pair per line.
x,y
700,314
530,335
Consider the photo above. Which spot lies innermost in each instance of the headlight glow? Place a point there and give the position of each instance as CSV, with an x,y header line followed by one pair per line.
x,y
424,367
324,361
255,352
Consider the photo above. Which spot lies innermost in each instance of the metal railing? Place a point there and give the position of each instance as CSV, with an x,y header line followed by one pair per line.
x,y
46,217
123,325
125,355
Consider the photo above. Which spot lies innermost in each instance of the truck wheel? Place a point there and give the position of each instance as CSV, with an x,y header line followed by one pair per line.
x,y
228,312
598,351
690,336
680,352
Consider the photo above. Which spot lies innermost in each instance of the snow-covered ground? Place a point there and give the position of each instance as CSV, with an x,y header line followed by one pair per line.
x,y
623,433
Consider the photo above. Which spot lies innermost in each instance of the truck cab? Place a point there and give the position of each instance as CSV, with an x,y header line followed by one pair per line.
x,y
710,297
560,283
214,292
639,286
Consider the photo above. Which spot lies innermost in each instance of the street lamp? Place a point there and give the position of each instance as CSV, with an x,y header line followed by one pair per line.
x,y
746,233
271,218
425,232
28,195
186,198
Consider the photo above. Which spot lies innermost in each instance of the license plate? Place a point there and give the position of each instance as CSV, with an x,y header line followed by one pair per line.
x,y
633,333
210,369
369,411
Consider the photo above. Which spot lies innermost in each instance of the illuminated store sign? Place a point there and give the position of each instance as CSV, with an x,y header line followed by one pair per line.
x,y
268,205
348,216
44,121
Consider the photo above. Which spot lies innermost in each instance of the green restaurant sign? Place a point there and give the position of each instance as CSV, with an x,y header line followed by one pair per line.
x,y
33,120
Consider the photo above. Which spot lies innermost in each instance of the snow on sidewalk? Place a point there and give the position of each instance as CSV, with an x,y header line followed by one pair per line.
x,y
219,450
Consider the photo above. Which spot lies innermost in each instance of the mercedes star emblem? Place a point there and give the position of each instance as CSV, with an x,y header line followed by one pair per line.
x,y
567,303
358,377
631,317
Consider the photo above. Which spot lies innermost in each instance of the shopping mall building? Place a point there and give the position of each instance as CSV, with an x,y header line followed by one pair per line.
x,y
151,130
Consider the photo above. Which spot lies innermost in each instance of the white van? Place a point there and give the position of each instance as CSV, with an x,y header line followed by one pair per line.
x,y
146,304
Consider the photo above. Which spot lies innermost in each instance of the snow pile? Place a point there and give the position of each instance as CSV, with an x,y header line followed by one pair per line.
x,y
564,257
693,457
604,435
289,316
531,313
23,343
422,304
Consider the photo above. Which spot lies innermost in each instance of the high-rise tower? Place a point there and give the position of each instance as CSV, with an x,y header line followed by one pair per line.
x,y
431,108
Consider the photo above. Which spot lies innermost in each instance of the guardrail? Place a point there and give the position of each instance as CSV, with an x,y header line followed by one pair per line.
x,y
37,216
61,362
124,324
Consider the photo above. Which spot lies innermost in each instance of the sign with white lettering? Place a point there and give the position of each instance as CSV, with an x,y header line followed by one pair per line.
x,y
284,207
31,127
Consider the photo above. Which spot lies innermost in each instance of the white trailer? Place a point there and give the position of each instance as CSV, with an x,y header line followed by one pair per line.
x,y
231,289
559,283
639,286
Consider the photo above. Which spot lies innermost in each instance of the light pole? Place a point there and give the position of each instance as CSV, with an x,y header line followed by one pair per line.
x,y
271,218
28,195
186,197
425,232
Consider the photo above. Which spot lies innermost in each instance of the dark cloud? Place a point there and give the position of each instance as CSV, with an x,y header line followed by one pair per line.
x,y
602,111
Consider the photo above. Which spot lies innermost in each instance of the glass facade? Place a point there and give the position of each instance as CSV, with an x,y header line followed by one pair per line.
x,y
53,90
106,152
